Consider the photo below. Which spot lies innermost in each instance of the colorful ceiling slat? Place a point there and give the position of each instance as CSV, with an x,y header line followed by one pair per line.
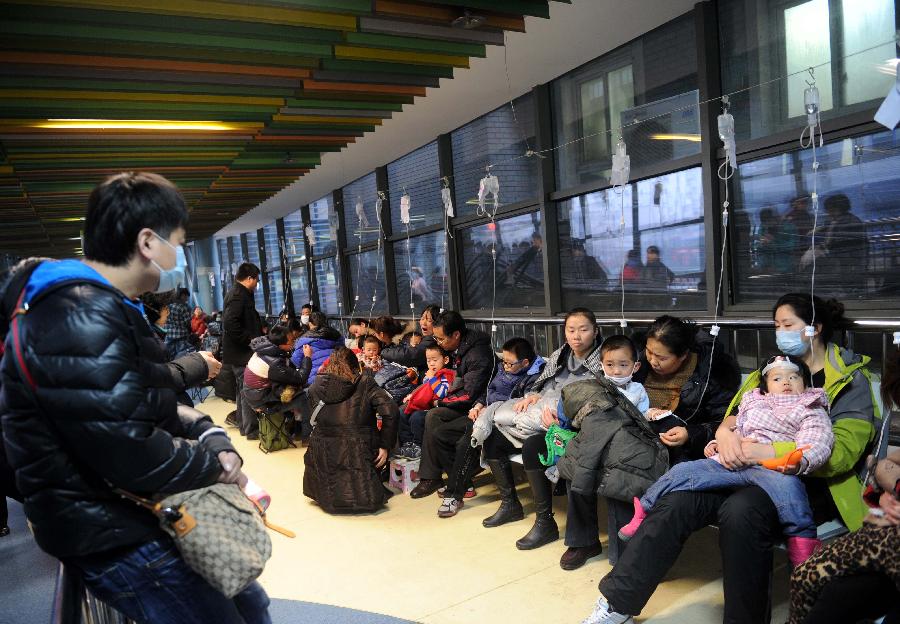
x,y
231,100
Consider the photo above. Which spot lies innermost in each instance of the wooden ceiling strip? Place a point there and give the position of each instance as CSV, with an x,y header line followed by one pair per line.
x,y
36,73
535,8
155,37
353,87
380,54
289,110
18,159
367,67
326,119
405,79
134,84
184,98
433,31
444,14
10,56
211,8
417,44
324,102
301,140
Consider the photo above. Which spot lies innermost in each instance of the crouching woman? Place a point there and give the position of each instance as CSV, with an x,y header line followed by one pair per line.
x,y
347,449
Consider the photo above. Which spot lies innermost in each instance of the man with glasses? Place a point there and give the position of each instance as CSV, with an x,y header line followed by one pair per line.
x,y
473,360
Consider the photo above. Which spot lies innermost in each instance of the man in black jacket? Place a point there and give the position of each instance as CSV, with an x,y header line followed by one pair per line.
x,y
473,359
88,406
241,324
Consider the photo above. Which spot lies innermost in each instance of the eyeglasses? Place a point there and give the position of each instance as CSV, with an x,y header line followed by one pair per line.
x,y
443,340
511,365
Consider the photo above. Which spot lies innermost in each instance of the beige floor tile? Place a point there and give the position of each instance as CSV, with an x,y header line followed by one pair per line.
x,y
406,562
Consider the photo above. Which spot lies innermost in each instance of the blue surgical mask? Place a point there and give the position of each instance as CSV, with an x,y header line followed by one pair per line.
x,y
170,279
790,342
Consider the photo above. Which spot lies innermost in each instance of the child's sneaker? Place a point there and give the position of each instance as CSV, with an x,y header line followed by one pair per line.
x,y
799,549
449,508
552,474
628,531
413,451
602,614
400,453
470,492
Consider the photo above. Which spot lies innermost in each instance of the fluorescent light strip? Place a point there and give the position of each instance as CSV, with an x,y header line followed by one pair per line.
x,y
136,124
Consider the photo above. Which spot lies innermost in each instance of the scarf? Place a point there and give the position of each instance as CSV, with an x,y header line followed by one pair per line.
x,y
664,392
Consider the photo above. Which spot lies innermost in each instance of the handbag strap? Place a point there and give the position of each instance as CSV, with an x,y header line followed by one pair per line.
x,y
315,414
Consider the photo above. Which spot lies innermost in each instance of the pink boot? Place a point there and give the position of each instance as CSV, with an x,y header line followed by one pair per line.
x,y
799,549
628,531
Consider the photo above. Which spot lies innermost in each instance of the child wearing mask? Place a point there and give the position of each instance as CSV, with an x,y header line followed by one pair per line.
x,y
434,387
784,408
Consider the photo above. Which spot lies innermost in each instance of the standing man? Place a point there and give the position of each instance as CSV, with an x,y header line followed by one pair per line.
x,y
178,325
241,325
472,358
88,405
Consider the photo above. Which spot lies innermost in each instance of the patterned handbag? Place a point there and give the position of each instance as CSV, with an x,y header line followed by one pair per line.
x,y
220,533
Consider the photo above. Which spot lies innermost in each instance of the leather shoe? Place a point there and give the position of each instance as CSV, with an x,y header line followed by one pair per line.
x,y
426,487
231,420
577,556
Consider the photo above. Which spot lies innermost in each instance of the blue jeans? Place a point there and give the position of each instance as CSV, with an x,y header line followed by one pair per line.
x,y
153,584
786,491
412,427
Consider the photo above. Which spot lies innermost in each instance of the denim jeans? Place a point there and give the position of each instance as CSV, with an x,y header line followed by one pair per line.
x,y
153,584
786,491
412,427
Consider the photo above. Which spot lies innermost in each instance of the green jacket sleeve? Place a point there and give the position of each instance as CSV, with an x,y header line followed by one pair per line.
x,y
851,436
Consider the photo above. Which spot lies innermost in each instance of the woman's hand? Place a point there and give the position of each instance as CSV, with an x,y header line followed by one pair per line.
x,y
475,412
231,467
548,418
731,451
754,451
891,508
654,412
212,364
381,458
527,402
676,436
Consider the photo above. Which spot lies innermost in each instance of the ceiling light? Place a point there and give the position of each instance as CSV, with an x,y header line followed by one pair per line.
x,y
65,220
468,21
694,138
134,124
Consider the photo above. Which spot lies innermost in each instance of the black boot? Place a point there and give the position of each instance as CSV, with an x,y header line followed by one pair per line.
x,y
510,508
545,529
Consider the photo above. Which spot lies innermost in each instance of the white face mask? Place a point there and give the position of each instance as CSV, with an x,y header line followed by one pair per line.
x,y
620,381
304,318
170,279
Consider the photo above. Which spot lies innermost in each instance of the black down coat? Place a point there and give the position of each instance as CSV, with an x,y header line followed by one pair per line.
x,y
340,472
98,408
615,454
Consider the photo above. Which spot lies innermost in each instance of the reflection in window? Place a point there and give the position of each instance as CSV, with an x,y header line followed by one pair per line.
x,y
497,138
226,275
367,283
273,255
276,291
647,90
329,285
661,262
294,245
237,253
763,41
519,267
857,243
417,173
421,266
360,197
300,285
323,219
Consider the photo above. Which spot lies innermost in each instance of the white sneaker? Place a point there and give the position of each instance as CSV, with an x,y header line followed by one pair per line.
x,y
602,615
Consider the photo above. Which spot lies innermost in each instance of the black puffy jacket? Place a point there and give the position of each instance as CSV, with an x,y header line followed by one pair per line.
x,y
340,473
473,362
240,325
99,410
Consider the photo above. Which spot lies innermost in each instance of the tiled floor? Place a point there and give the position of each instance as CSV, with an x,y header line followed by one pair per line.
x,y
406,562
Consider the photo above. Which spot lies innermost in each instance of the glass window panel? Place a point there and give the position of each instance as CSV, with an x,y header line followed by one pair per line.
x,y
323,219
496,138
867,68
367,282
328,281
237,253
226,274
253,256
646,89
363,192
520,264
599,245
807,46
273,255
276,291
857,243
300,285
421,266
293,238
418,174
762,41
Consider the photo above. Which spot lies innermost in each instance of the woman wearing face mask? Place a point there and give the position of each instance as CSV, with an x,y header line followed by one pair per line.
x,y
747,519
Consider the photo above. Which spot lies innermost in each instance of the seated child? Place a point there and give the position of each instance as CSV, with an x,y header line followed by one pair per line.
x,y
398,380
269,373
783,409
434,386
619,358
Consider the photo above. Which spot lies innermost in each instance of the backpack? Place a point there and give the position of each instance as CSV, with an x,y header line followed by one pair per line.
x,y
272,432
13,287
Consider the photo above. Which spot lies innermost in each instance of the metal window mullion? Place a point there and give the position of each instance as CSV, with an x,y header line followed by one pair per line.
x,y
387,248
445,166
345,291
543,132
312,284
